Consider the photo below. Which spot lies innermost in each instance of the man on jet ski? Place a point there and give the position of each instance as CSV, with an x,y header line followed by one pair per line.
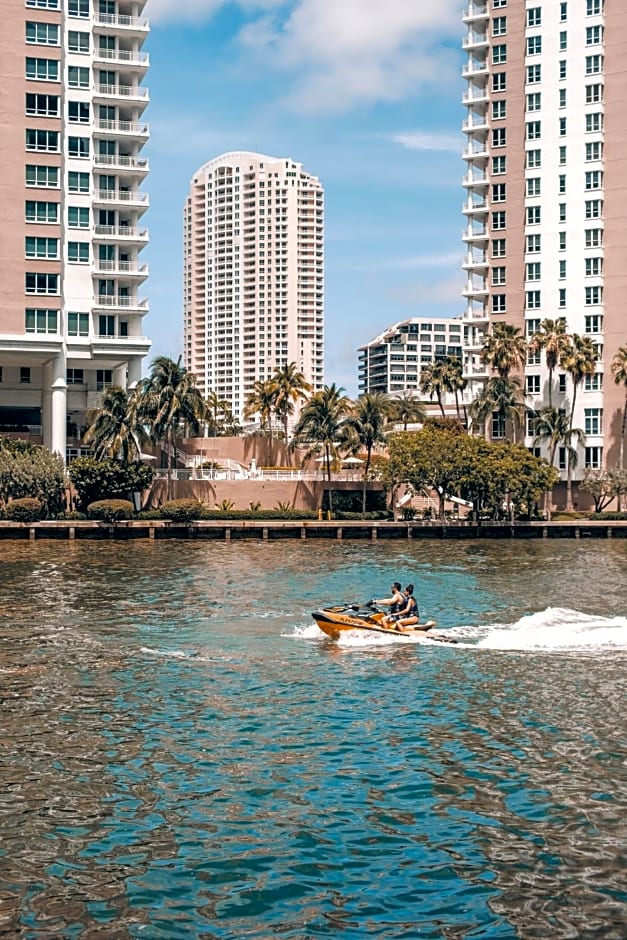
x,y
396,602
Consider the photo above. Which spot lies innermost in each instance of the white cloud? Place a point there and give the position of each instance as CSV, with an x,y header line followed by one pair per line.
x,y
427,140
451,259
161,11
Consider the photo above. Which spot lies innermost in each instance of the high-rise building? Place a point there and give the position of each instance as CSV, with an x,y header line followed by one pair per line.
x,y
71,136
253,274
392,362
546,198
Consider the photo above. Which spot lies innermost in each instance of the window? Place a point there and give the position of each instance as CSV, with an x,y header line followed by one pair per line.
x,y
41,321
594,237
594,151
534,45
532,300
561,383
532,327
534,159
532,384
562,211
499,110
25,374
78,42
499,220
594,7
42,34
563,40
562,269
104,378
562,241
42,105
78,182
594,179
78,252
44,4
41,283
499,247
499,54
594,208
534,101
75,377
562,103
594,93
594,35
499,25
78,147
561,297
561,460
106,325
594,122
77,324
78,112
594,64
594,323
35,247
42,70
78,77
499,166
533,215
534,358
534,130
532,271
561,183
593,296
562,69
562,155
499,137
78,217
499,192
562,127
498,276
499,3
499,303
592,418
499,81
78,8
563,11
498,426
45,177
533,244
46,141
534,74
533,186
593,383
35,211
534,16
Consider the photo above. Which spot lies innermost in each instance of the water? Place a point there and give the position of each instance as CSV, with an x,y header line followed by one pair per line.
x,y
184,755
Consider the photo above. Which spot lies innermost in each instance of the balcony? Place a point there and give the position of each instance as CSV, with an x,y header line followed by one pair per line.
x,y
475,11
475,261
128,25
475,179
127,57
126,269
126,233
476,288
135,165
475,67
475,40
476,150
126,304
475,233
477,123
136,129
124,197
475,207
132,93
475,95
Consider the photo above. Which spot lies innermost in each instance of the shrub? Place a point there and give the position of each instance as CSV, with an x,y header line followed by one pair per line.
x,y
95,480
24,510
182,510
110,510
612,516
30,470
254,505
149,514
226,505
75,516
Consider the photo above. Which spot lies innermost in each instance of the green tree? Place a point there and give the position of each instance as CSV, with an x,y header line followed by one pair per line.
x,y
290,386
320,427
95,480
261,401
455,382
114,428
578,360
218,413
552,426
553,339
503,398
365,428
170,401
433,381
504,349
619,371
407,409
31,471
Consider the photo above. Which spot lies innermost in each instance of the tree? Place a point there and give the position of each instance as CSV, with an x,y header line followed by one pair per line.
x,y
502,397
114,428
30,470
578,360
504,349
552,426
433,382
219,413
455,382
290,386
94,479
261,401
407,409
553,339
320,426
365,427
619,371
169,400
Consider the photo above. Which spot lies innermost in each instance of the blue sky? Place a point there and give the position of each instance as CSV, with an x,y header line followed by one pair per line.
x,y
366,94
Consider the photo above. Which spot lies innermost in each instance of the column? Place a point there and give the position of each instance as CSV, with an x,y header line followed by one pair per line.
x,y
58,386
119,376
134,372
46,405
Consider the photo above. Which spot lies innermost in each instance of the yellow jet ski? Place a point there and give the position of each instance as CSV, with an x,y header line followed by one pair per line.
x,y
340,619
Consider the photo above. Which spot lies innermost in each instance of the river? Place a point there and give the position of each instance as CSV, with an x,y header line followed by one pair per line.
x,y
184,755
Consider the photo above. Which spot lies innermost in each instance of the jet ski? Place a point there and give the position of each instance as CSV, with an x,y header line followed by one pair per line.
x,y
342,618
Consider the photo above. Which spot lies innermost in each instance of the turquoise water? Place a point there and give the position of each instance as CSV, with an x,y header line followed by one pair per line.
x,y
184,755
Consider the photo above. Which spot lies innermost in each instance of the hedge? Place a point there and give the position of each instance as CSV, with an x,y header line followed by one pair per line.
x,y
26,509
110,510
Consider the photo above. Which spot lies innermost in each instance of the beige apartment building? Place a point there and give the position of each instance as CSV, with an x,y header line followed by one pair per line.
x,y
546,193
253,274
71,137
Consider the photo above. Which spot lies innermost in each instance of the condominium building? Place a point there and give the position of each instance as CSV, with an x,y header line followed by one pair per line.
x,y
392,362
71,136
253,274
546,199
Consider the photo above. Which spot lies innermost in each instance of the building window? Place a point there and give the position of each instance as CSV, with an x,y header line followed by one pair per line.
x,y
532,327
594,64
534,16
498,276
499,110
593,383
499,303
594,93
562,269
594,7
499,137
532,384
499,3
104,379
562,211
533,244
534,74
78,252
562,97
41,321
563,11
499,54
78,216
533,215
593,296
532,300
594,268
499,26
78,112
499,166
534,45
532,273
594,151
499,81
43,177
594,35
499,247
563,40
561,294
78,42
78,182
534,159
77,324
562,69
562,127
594,179
78,77
78,147
25,374
42,70
75,377
594,323
593,458
41,283
498,426
499,192
78,8
42,105
594,208
499,220
561,183
46,141
533,186
534,130
44,4
36,211
534,101
534,358
594,237
42,34
41,248
562,241
594,122
562,155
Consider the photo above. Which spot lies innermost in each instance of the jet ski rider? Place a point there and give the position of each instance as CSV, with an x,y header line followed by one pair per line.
x,y
396,602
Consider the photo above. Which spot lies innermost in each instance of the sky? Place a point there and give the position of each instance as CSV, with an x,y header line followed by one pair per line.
x,y
366,94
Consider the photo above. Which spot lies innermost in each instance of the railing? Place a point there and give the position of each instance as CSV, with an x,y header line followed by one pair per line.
x,y
125,267
114,19
133,163
123,55
475,9
121,231
113,195
120,300
124,127
293,476
123,91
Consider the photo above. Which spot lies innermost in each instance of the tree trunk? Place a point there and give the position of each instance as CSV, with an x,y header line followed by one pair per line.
x,y
363,495
621,454
170,442
569,473
550,388
441,405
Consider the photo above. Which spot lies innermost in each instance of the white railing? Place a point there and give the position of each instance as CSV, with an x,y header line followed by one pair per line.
x,y
289,476
112,195
121,231
123,55
132,163
123,267
124,127
121,300
123,91
115,19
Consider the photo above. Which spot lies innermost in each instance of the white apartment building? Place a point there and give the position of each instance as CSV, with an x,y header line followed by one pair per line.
x,y
392,362
71,137
546,199
253,274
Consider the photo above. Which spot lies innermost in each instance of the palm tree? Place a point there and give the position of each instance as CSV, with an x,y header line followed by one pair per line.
x,y
552,426
619,371
320,426
553,339
365,427
455,381
290,386
407,409
432,381
503,397
578,360
261,401
114,429
168,400
504,349
217,406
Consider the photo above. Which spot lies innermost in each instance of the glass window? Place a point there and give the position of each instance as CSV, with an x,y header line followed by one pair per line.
x,y
533,244
562,241
78,324
78,252
594,93
78,147
45,177
563,40
44,4
78,182
75,377
499,192
534,159
499,110
25,374
499,166
499,247
594,323
42,70
592,418
534,45
78,216
533,215
593,296
78,112
534,74
78,42
594,64
499,137
532,384
534,101
594,122
42,34
533,186
45,141
594,208
562,269
499,303
532,300
594,151
594,7
42,105
563,11
499,81
78,76
37,211
41,321
499,54
499,220
594,237
41,283
533,271
78,8
534,16
498,276
562,69
41,247
499,26
594,35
